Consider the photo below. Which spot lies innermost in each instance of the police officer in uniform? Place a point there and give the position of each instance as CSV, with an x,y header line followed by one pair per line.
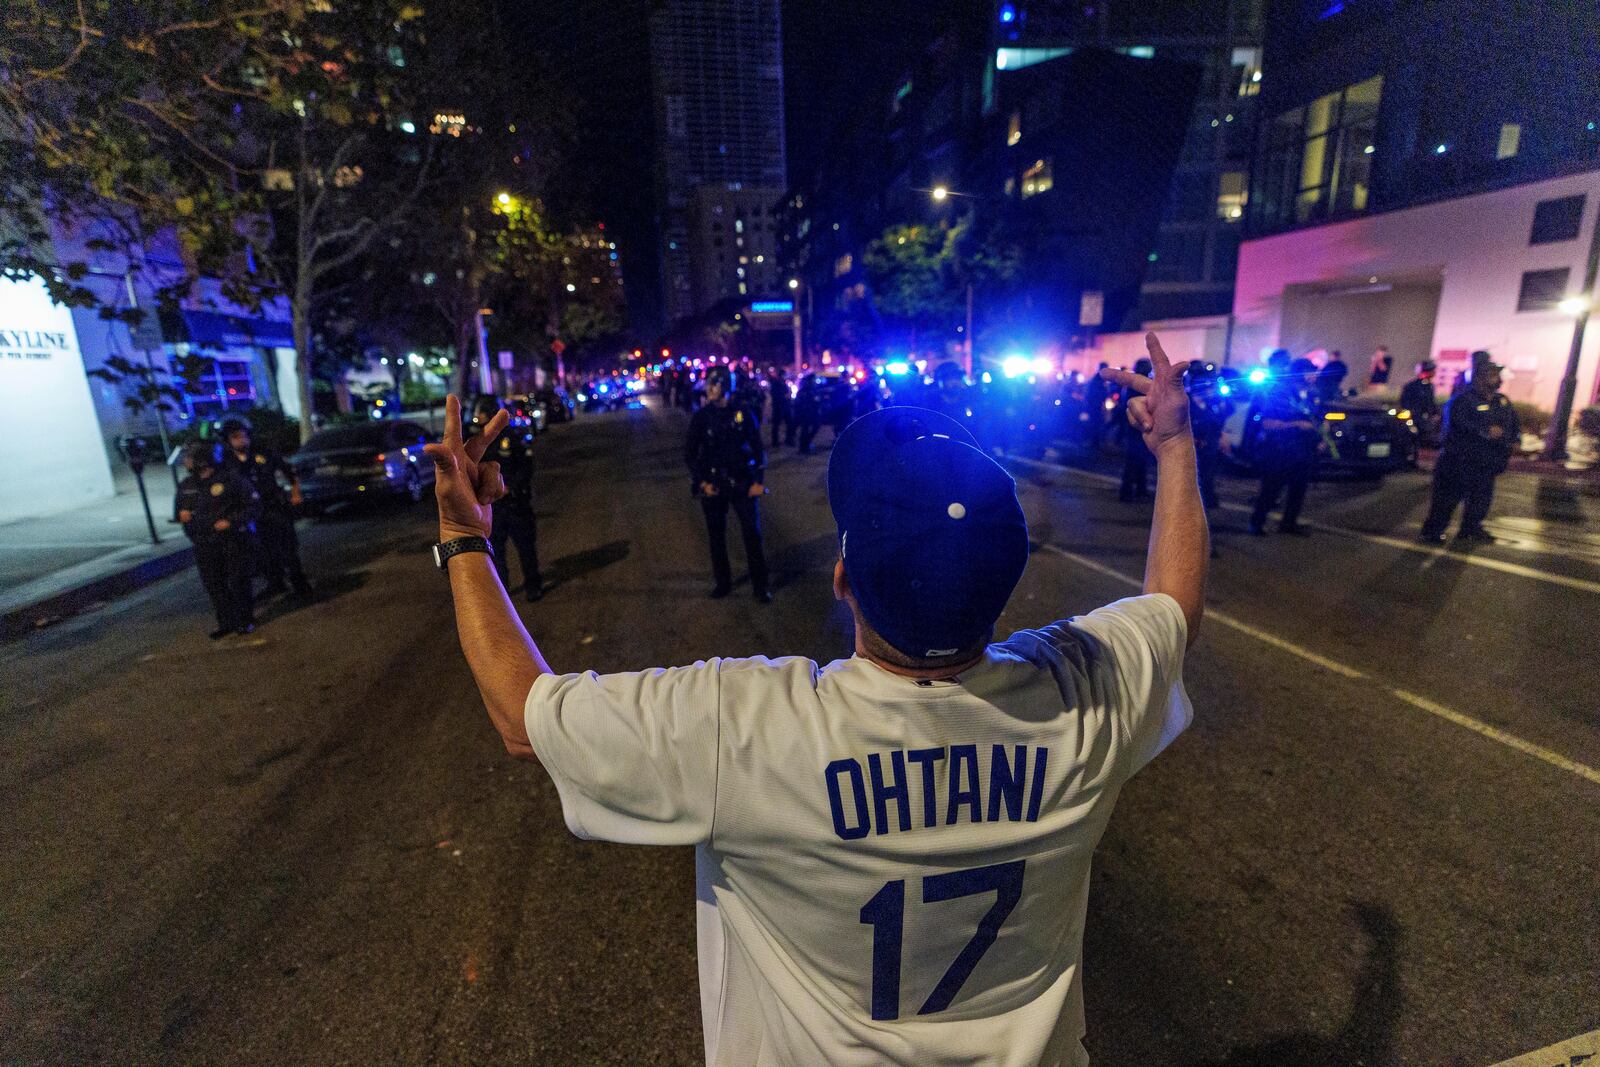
x,y
726,466
808,411
1480,431
278,547
513,513
1286,450
1418,398
218,510
782,406
1208,414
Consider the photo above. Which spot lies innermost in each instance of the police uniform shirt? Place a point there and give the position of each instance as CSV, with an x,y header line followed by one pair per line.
x,y
1468,420
261,467
888,870
724,447
222,494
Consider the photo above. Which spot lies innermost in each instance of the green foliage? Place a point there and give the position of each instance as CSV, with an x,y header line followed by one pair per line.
x,y
919,273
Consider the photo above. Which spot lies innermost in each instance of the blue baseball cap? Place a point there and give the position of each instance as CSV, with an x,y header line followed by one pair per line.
x,y
930,530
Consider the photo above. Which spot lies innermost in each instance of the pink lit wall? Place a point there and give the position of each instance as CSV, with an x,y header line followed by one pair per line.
x,y
1474,248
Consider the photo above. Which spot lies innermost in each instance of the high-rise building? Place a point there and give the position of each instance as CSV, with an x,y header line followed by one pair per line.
x,y
717,80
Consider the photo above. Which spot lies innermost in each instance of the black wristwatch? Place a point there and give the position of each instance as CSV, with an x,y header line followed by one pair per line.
x,y
446,549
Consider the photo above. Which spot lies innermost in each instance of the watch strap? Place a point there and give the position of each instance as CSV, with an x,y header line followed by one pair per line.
x,y
443,551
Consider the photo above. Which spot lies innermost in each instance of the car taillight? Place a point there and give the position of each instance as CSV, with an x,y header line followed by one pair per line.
x,y
380,457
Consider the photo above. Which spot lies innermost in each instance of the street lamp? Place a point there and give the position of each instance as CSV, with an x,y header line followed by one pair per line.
x,y
504,199
940,192
794,283
1579,307
1573,305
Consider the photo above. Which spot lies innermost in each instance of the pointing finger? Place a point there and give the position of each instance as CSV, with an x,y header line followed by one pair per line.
x,y
476,446
1127,379
452,421
1158,355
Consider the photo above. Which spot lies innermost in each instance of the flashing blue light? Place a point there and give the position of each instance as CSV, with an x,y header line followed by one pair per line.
x,y
897,367
1440,149
1224,390
604,389
1014,366
772,307
1008,13
1258,376
987,378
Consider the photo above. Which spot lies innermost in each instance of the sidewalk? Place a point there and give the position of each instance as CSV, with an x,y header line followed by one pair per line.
x,y
61,563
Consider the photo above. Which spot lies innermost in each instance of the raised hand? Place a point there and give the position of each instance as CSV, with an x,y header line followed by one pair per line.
x,y
465,486
1161,410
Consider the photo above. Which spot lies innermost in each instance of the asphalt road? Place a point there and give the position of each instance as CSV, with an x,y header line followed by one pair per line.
x,y
1378,844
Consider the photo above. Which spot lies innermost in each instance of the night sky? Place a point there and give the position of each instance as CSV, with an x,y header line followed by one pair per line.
x,y
593,55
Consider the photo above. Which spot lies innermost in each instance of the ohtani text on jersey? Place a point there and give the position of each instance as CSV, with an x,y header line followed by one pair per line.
x,y
949,794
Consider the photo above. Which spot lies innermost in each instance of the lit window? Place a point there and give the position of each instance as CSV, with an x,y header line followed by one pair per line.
x,y
744,259
1316,161
1247,68
1014,129
1510,140
1037,179
738,225
1232,193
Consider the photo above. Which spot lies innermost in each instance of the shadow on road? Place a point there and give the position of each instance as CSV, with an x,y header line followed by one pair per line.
x,y
798,558
1557,501
577,564
328,587
1368,1034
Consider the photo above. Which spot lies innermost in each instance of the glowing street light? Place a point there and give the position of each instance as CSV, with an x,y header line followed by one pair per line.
x,y
940,192
504,199
794,283
1573,305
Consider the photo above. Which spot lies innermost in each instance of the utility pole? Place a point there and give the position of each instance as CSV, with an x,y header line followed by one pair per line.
x,y
1555,445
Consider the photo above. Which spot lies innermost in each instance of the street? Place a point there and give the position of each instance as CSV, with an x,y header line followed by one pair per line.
x,y
1379,843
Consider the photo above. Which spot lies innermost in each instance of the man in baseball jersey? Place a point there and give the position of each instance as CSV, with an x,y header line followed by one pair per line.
x,y
892,850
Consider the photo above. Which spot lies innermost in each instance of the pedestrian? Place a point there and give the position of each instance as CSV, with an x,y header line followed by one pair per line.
x,y
1135,456
726,468
1382,367
1480,432
808,411
782,403
278,547
218,510
514,520
1286,448
1417,397
862,898
1330,379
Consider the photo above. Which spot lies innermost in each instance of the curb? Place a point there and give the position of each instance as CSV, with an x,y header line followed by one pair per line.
x,y
25,620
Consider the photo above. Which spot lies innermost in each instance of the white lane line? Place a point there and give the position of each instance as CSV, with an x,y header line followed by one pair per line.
x,y
1568,1053
1450,715
1435,553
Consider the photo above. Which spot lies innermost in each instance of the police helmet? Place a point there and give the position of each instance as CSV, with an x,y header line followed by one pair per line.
x,y
200,453
948,370
233,424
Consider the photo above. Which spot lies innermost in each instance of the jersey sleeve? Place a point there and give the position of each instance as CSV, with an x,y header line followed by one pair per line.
x,y
1136,646
633,756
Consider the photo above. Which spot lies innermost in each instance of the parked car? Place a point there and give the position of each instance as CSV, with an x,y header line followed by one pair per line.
x,y
558,406
378,458
1363,437
603,394
527,414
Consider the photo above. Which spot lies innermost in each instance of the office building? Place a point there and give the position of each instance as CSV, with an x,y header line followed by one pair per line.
x,y
717,80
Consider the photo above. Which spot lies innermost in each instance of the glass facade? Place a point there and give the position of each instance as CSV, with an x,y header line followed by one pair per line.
x,y
1316,161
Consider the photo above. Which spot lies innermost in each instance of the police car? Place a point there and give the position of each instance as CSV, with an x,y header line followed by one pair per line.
x,y
379,458
1363,437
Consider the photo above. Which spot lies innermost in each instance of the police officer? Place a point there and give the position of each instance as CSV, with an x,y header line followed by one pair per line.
x,y
950,395
513,513
1418,397
218,509
808,411
278,549
1286,449
726,467
1136,457
782,405
1208,413
1480,431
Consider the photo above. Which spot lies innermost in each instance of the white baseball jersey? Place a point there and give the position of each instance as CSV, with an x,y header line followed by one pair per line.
x,y
889,870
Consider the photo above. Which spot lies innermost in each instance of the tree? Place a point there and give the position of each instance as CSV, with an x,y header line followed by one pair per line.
x,y
919,274
253,130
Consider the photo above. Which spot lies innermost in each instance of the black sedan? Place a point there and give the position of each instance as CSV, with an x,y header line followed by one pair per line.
x,y
380,458
1361,436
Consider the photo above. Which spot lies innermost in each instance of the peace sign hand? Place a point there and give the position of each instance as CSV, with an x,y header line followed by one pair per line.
x,y
465,486
1161,411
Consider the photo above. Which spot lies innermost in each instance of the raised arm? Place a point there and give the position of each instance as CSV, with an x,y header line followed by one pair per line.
x,y
504,660
1180,541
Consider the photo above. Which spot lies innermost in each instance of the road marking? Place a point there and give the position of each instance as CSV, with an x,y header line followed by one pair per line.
x,y
1435,553
1568,1053
1450,715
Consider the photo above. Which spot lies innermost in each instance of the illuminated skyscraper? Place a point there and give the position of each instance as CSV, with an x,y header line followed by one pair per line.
x,y
717,86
